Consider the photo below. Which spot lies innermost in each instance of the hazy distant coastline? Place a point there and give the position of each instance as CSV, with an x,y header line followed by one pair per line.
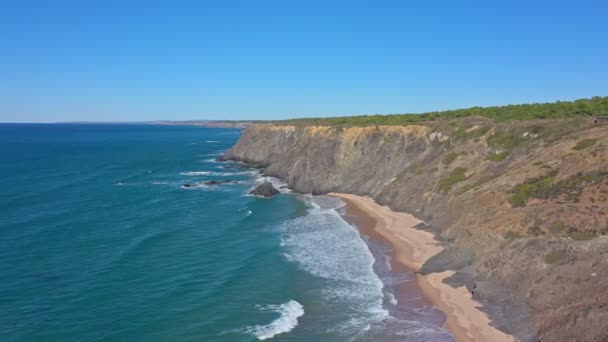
x,y
218,124
202,123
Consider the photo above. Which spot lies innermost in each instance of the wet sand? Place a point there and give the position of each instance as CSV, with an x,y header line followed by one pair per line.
x,y
411,248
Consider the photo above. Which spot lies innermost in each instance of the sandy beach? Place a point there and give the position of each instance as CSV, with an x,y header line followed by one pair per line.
x,y
412,248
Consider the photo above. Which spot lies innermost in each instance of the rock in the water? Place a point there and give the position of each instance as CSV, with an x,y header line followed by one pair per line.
x,y
216,182
265,189
187,185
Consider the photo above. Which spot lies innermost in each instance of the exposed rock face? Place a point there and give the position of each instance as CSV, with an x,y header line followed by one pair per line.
x,y
265,189
523,206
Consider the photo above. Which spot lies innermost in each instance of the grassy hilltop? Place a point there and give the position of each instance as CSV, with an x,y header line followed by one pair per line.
x,y
562,109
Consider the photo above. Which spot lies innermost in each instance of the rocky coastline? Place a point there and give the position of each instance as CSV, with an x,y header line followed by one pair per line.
x,y
519,207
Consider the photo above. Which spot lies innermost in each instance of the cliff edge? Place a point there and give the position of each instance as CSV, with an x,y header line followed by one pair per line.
x,y
522,207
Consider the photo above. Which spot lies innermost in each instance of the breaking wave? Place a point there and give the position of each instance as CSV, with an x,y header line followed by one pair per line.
x,y
324,245
288,319
195,173
214,173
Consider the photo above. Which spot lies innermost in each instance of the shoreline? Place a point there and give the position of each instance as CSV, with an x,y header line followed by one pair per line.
x,y
412,247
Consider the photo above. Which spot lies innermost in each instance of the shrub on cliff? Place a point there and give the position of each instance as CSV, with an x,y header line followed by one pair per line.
x,y
457,175
554,257
585,143
530,188
450,157
544,188
505,140
497,157
582,236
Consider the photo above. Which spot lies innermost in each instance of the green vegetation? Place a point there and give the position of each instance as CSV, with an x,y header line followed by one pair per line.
x,y
544,188
583,107
476,185
554,257
512,235
530,188
582,236
457,175
557,227
585,143
497,157
466,188
537,163
505,140
573,186
450,157
417,169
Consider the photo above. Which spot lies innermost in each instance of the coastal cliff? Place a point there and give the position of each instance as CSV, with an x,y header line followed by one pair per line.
x,y
522,207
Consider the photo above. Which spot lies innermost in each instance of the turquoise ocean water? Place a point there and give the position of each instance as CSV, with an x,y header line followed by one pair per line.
x,y
99,241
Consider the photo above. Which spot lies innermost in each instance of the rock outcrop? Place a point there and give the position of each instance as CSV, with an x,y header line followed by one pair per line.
x,y
217,182
211,182
523,207
265,189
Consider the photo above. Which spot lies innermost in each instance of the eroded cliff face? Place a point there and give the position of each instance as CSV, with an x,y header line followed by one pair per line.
x,y
522,207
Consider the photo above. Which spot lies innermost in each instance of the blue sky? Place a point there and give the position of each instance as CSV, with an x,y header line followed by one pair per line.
x,y
177,60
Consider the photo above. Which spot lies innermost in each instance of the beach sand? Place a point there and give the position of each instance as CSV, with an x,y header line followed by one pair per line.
x,y
412,248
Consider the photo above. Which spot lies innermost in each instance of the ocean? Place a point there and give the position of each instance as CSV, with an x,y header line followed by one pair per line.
x,y
101,241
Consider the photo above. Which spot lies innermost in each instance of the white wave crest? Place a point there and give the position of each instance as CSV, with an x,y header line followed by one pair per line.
x,y
387,262
288,319
195,173
246,210
213,173
391,298
324,245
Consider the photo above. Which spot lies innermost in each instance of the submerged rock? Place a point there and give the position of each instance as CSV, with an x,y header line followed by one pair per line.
x,y
265,189
216,182
187,185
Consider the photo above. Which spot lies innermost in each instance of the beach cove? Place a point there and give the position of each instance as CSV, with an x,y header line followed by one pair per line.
x,y
412,247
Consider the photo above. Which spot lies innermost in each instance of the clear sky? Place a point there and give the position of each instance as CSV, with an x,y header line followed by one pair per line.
x,y
177,60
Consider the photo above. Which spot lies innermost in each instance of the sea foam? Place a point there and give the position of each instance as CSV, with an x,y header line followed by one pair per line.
x,y
324,245
195,173
288,319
